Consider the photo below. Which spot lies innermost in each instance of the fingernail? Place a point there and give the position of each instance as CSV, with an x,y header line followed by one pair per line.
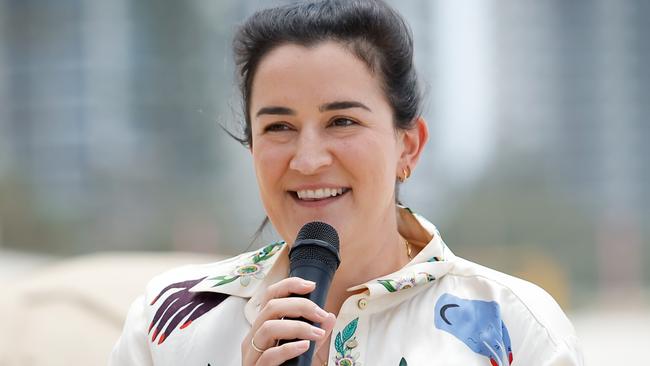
x,y
306,283
322,313
317,331
302,345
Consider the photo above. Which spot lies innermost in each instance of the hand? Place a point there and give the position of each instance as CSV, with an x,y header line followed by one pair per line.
x,y
178,305
269,327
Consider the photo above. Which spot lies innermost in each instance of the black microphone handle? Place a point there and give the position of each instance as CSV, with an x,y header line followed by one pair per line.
x,y
311,271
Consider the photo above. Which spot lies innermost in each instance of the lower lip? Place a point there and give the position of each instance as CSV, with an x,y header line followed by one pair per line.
x,y
318,203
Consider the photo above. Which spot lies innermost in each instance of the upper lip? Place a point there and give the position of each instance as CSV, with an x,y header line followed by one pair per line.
x,y
314,187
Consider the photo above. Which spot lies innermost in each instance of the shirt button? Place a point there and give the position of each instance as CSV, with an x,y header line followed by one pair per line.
x,y
362,303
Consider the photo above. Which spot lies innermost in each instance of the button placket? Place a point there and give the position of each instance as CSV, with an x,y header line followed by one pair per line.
x,y
351,331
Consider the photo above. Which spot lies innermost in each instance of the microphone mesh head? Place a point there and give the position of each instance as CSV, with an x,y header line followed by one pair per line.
x,y
320,231
316,242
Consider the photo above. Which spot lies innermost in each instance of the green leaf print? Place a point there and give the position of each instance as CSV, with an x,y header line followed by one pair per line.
x,y
266,252
223,280
349,330
388,285
344,336
402,362
338,344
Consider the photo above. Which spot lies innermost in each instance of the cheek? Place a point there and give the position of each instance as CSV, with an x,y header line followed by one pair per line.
x,y
372,163
269,163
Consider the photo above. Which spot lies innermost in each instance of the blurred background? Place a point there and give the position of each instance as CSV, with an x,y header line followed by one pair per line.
x,y
539,115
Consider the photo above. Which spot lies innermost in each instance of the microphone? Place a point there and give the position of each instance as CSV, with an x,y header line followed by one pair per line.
x,y
314,256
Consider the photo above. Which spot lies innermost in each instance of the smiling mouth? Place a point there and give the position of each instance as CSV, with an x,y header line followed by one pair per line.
x,y
319,194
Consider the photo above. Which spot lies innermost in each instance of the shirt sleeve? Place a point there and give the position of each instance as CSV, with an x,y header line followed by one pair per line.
x,y
567,353
132,348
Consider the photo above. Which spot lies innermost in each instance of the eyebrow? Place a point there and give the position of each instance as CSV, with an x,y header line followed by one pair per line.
x,y
275,110
344,104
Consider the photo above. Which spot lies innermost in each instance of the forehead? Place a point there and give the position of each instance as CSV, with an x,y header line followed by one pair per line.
x,y
327,71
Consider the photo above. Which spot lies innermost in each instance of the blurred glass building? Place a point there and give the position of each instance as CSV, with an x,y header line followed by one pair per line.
x,y
110,137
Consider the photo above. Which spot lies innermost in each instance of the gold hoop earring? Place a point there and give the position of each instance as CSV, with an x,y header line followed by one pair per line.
x,y
406,173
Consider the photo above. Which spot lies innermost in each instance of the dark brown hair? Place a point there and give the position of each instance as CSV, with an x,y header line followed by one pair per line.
x,y
370,29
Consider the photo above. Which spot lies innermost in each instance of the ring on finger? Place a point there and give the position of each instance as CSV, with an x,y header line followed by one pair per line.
x,y
255,347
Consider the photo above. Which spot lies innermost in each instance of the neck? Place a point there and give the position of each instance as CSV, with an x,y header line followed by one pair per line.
x,y
380,254
375,254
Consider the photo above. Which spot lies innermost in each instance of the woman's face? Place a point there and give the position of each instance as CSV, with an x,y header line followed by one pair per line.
x,y
323,142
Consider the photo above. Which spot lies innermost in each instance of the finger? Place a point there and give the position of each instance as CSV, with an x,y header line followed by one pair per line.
x,y
249,355
185,284
273,330
327,325
290,307
175,320
209,300
286,287
164,309
277,355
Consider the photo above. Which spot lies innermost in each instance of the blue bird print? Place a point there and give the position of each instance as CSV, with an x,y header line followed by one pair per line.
x,y
476,323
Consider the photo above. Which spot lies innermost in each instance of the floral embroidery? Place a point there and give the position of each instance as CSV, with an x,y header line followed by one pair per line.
x,y
344,343
406,282
252,268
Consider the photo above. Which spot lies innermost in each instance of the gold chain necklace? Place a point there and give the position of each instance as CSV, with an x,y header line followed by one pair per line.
x,y
408,248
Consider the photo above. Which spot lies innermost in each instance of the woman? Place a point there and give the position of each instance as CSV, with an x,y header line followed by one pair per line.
x,y
332,122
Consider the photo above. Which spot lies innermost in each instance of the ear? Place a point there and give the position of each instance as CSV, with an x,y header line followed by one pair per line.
x,y
413,142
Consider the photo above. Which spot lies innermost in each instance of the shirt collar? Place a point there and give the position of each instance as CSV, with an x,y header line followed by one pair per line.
x,y
432,262
245,275
242,275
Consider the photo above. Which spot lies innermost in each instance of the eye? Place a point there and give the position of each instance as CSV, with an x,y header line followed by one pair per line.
x,y
277,127
343,122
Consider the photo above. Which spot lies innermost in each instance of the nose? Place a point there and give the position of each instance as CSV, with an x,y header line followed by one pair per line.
x,y
311,154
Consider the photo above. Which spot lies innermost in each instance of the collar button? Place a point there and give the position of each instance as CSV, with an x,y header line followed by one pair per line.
x,y
362,303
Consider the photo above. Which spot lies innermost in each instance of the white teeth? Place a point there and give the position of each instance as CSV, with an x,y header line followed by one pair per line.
x,y
319,193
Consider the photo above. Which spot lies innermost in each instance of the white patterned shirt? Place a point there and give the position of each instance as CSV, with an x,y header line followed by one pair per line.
x,y
439,309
